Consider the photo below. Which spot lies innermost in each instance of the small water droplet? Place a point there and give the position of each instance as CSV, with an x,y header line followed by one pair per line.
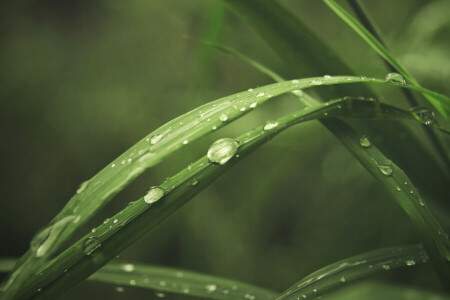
x,y
185,142
82,187
242,109
270,125
253,105
223,117
120,289
398,188
186,291
194,182
250,90
421,203
154,194
317,82
210,288
386,267
327,77
90,245
395,78
222,150
132,282
365,142
113,165
128,267
295,81
106,221
162,283
411,192
214,127
160,294
260,94
410,262
94,230
343,280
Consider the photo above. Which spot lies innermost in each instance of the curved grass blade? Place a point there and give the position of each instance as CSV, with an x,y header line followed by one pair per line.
x,y
379,290
132,223
95,193
353,268
177,281
441,106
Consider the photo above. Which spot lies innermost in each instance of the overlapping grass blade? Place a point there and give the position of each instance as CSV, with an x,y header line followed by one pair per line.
x,y
120,231
441,105
95,193
177,281
353,268
306,54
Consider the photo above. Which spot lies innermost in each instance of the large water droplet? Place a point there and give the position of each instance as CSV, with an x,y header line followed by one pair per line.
x,y
386,170
365,142
424,114
90,245
45,238
154,194
270,125
222,150
223,117
395,78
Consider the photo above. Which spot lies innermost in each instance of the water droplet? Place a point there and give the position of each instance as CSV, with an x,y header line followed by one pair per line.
x,y
113,165
424,114
115,221
90,245
82,187
132,282
94,230
242,109
395,78
260,94
223,117
222,150
154,194
128,267
411,192
210,288
214,127
185,142
120,289
179,274
194,182
327,77
421,203
250,90
295,81
270,125
317,82
365,142
386,170
386,267
160,294
162,283
186,291
253,105
343,280
398,188
410,262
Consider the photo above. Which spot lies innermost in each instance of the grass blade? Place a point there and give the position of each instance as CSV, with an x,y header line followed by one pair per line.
x,y
177,281
120,231
353,268
441,106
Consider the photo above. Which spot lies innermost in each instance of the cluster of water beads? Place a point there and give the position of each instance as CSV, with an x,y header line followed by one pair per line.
x,y
221,151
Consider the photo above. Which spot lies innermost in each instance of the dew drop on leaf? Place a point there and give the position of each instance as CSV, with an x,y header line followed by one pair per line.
x,y
155,139
270,125
386,170
424,114
90,245
365,142
316,82
210,288
410,262
82,187
223,117
395,78
222,150
160,294
154,194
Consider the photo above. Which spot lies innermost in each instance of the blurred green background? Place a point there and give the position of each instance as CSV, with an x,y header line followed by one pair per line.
x,y
82,81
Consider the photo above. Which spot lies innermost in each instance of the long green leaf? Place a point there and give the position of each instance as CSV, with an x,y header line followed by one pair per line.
x,y
442,106
120,231
353,268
